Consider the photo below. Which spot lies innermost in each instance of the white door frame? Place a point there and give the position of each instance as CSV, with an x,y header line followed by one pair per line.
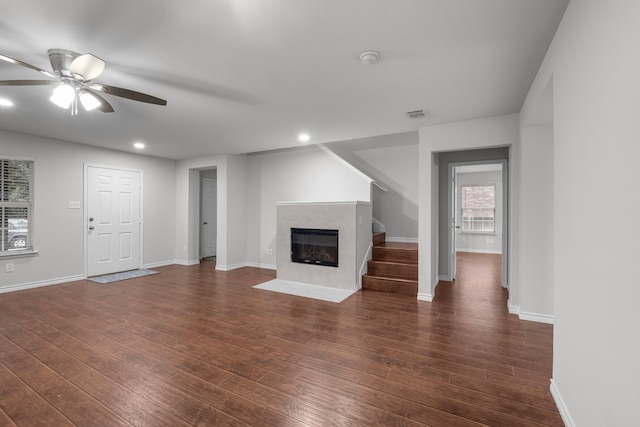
x,y
86,210
202,219
505,215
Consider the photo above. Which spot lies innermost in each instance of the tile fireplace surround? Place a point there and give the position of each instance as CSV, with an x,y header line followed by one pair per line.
x,y
353,222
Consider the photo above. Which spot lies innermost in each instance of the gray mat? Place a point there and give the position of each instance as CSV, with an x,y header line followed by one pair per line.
x,y
122,276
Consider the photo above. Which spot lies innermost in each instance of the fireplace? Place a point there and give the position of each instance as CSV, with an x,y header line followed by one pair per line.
x,y
314,246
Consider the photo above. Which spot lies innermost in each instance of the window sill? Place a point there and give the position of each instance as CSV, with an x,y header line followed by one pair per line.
x,y
18,254
479,233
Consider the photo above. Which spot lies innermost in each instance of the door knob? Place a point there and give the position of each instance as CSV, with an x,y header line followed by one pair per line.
x,y
91,227
205,223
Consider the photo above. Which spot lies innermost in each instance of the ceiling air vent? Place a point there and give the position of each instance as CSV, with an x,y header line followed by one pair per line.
x,y
417,114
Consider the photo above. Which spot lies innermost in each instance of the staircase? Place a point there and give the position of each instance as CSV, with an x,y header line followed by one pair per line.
x,y
393,267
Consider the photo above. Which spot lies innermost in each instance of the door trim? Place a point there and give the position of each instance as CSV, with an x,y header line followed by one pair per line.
x,y
85,209
505,214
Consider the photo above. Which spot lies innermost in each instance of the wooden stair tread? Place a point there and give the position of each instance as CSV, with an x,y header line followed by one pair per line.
x,y
398,245
408,264
391,279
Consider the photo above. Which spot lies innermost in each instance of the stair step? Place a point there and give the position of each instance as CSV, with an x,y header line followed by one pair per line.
x,y
392,285
392,269
395,254
378,238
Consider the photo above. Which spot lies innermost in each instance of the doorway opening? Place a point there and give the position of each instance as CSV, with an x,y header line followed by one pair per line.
x,y
208,214
485,232
477,213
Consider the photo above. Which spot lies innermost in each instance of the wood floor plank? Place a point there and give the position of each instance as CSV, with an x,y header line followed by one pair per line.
x,y
196,346
24,406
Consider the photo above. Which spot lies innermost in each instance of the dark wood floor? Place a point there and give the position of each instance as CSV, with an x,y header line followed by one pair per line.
x,y
192,346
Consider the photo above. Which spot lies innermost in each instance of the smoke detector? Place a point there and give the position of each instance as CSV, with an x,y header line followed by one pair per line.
x,y
369,57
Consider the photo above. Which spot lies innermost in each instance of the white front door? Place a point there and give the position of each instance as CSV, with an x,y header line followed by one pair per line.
x,y
209,218
113,220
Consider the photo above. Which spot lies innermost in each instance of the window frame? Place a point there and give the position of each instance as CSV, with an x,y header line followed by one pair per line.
x,y
5,251
462,209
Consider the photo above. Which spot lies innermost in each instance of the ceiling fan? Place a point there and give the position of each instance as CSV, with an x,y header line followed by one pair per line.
x,y
74,74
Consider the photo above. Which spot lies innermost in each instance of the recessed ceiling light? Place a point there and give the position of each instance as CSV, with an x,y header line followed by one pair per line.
x,y
304,137
139,145
5,102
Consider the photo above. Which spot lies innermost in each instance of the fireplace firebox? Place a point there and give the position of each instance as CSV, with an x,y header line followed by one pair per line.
x,y
314,246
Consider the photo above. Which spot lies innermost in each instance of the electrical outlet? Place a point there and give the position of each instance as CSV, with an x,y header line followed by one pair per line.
x,y
8,268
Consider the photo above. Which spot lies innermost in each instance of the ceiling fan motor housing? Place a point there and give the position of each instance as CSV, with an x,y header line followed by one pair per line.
x,y
61,61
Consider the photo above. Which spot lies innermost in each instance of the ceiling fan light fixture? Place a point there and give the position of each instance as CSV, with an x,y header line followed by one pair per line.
x,y
63,96
89,102
86,67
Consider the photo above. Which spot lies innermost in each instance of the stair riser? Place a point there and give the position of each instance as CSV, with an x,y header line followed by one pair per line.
x,y
395,255
383,285
378,238
400,271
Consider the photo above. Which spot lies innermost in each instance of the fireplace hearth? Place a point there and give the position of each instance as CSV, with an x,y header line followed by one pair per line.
x,y
314,246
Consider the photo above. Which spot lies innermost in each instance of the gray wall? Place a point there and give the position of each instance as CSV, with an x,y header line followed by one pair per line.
x,y
392,161
59,231
305,174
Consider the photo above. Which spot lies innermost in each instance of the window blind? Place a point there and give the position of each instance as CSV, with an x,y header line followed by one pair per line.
x,y
16,205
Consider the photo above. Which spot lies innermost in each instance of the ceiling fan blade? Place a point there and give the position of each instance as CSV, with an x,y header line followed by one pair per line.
x,y
27,82
87,67
24,64
104,106
129,94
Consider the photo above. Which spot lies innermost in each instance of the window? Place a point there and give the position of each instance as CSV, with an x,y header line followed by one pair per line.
x,y
478,208
16,205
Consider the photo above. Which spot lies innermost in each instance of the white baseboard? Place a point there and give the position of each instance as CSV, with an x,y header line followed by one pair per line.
x,y
536,317
401,239
159,264
480,251
562,407
425,297
23,286
260,265
186,263
231,267
446,278
531,317
428,297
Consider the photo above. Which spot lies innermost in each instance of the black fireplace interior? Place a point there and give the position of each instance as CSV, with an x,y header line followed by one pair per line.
x,y
314,246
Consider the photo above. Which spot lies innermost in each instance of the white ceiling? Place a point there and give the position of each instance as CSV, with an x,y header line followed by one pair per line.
x,y
249,75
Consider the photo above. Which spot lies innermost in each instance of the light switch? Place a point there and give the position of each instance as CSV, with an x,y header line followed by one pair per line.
x,y
73,204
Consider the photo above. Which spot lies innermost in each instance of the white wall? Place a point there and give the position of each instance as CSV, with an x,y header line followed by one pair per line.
x,y
392,161
482,243
353,222
59,231
595,66
536,224
231,237
473,134
306,174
